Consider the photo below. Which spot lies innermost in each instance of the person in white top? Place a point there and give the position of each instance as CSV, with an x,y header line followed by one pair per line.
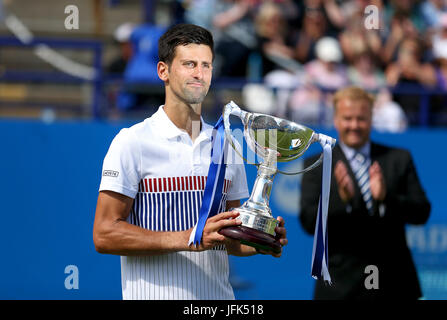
x,y
152,185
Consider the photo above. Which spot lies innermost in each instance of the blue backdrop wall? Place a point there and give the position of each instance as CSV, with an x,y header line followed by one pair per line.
x,y
50,177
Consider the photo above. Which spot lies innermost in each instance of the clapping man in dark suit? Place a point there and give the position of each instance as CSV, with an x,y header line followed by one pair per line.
x,y
375,192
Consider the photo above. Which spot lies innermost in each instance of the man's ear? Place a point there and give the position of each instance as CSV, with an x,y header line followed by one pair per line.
x,y
163,71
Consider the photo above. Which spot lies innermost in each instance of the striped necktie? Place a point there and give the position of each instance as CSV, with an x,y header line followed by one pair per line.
x,y
361,173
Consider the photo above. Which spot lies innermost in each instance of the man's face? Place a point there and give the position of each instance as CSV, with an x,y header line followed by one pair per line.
x,y
189,75
352,120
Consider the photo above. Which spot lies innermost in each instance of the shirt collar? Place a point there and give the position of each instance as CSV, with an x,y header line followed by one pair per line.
x,y
349,152
170,130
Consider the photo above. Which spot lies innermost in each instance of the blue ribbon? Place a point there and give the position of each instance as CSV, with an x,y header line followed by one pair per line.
x,y
212,195
320,250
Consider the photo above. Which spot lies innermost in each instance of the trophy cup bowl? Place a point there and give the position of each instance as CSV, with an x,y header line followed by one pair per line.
x,y
274,140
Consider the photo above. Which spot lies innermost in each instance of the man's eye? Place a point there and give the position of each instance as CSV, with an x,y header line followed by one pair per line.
x,y
189,64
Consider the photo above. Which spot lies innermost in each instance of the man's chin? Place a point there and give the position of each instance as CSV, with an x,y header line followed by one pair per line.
x,y
355,143
195,99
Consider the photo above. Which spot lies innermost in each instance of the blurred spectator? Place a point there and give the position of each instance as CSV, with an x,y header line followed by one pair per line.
x,y
314,26
272,97
440,53
199,12
122,40
310,103
349,9
117,67
142,87
331,11
405,20
432,11
285,83
410,9
334,14
363,71
327,70
410,74
401,28
274,40
276,46
289,8
259,98
409,67
355,38
234,33
439,102
143,65
388,116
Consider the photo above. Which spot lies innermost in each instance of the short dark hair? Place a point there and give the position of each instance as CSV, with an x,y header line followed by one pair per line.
x,y
182,35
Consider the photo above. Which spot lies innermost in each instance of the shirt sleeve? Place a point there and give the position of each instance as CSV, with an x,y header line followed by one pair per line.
x,y
121,166
238,188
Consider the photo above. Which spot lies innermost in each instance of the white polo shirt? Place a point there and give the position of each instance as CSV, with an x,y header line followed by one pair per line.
x,y
159,166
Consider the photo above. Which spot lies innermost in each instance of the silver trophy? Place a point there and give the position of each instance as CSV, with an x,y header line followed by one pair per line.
x,y
274,140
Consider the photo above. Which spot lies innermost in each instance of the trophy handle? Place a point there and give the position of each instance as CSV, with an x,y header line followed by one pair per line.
x,y
232,108
313,165
316,137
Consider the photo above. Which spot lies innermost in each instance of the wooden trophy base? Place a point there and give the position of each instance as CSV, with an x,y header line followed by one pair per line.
x,y
252,237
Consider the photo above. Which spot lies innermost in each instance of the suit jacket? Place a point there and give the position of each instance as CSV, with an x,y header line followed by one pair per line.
x,y
357,239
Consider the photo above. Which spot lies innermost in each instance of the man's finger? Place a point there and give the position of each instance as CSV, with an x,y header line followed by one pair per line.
x,y
340,167
281,221
276,255
340,171
281,230
217,225
375,169
346,184
224,215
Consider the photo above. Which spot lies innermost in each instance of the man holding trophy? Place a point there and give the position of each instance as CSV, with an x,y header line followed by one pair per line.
x,y
162,200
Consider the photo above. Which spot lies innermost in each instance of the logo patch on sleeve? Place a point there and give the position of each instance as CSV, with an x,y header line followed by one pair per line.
x,y
110,173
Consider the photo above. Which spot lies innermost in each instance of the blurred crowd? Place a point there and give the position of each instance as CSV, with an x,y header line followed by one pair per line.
x,y
296,53
307,49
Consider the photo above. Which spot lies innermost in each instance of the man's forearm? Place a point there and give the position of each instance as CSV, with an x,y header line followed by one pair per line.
x,y
123,238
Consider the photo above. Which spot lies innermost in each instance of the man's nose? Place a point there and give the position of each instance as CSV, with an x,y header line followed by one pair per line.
x,y
354,124
198,72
